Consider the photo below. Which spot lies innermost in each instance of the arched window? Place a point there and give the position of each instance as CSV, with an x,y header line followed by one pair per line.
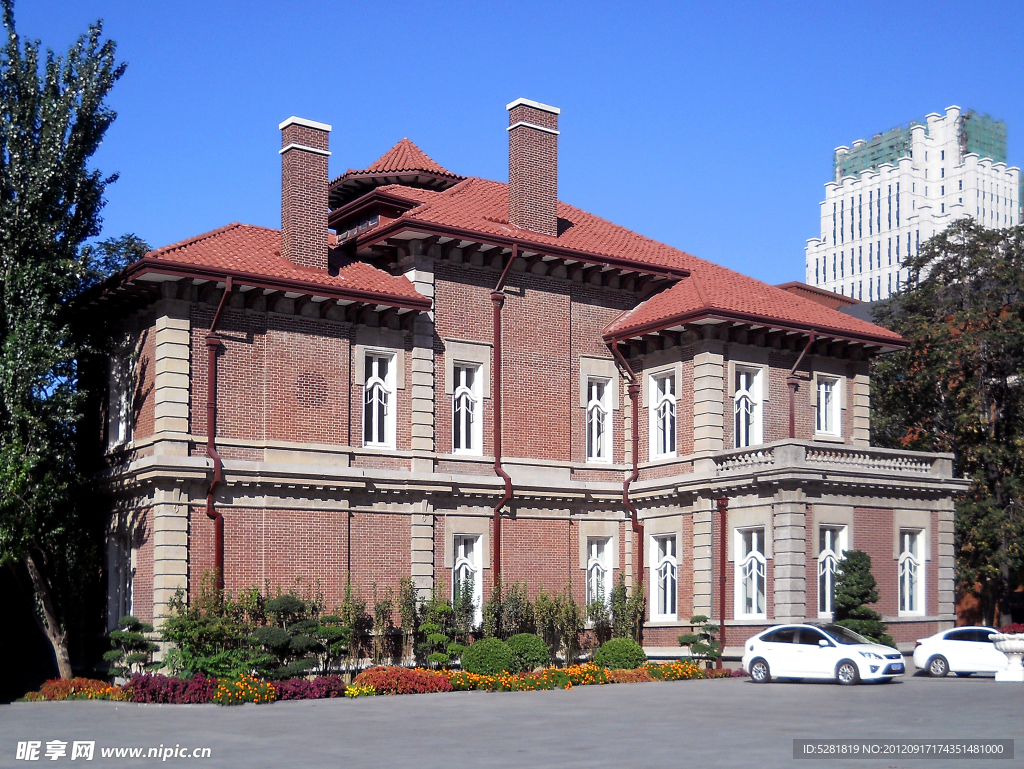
x,y
466,571
378,402
750,573
598,421
598,569
831,545
664,415
910,569
665,576
747,407
466,410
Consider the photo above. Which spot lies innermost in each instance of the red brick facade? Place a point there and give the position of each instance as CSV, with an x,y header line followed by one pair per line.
x,y
306,503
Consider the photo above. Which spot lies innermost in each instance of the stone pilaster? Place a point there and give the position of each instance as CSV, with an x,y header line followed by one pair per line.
x,y
702,560
946,559
422,277
423,551
708,397
789,552
170,548
861,410
172,379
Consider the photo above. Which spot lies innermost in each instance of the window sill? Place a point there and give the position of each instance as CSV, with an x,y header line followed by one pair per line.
x,y
750,618
828,438
665,620
379,446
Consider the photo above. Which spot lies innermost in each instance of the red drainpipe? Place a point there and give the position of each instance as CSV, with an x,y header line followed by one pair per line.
x,y
498,298
638,528
792,381
723,512
213,343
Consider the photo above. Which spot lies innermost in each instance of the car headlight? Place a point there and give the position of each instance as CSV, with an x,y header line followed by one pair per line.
x,y
870,655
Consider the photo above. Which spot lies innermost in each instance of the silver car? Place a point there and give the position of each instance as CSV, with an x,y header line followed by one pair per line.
x,y
824,652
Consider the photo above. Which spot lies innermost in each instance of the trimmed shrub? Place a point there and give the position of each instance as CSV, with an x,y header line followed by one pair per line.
x,y
529,652
628,676
394,680
488,656
147,687
244,689
620,654
322,688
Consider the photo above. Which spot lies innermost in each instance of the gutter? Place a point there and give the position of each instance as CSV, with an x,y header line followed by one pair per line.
x,y
793,381
213,343
723,512
498,300
638,528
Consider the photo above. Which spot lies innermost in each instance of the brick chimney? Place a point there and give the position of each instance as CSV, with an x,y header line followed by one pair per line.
x,y
304,191
533,166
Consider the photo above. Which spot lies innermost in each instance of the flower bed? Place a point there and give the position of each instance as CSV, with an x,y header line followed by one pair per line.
x,y
150,688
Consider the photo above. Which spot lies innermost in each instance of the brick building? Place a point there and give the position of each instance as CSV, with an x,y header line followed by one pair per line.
x,y
454,378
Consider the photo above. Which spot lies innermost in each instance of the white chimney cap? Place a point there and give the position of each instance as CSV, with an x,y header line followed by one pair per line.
x,y
303,122
535,105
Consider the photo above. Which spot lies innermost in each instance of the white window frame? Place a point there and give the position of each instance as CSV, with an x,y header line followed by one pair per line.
x,y
911,573
380,387
832,544
664,575
752,563
749,399
833,410
599,420
599,569
468,400
466,551
663,416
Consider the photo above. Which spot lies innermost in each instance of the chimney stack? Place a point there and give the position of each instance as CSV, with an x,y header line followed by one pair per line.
x,y
533,166
304,156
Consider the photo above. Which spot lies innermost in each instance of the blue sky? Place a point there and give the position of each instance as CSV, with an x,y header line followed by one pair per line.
x,y
708,126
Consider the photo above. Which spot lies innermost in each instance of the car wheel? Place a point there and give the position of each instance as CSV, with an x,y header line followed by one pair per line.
x,y
965,674
847,673
938,667
760,673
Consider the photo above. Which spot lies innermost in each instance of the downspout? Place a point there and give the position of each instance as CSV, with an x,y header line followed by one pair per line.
x,y
212,345
723,512
498,299
638,528
793,381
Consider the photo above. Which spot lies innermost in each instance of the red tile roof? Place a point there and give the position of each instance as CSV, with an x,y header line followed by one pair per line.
x,y
481,206
404,157
244,250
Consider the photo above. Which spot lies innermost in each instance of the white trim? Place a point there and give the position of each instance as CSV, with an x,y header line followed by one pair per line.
x,y
533,125
654,567
303,122
296,146
757,556
534,104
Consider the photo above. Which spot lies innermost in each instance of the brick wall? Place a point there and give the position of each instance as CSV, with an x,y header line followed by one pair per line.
x,y
142,580
304,197
873,534
533,170
144,397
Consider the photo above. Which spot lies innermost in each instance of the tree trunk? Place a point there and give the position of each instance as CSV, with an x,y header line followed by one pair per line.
x,y
55,632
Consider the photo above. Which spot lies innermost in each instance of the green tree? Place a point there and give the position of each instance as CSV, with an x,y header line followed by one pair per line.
x,y
855,588
132,651
959,387
53,116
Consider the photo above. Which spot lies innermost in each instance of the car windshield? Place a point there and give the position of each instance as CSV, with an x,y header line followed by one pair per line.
x,y
845,636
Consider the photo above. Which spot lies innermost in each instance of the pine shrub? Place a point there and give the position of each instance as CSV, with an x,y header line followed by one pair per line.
x,y
620,654
855,588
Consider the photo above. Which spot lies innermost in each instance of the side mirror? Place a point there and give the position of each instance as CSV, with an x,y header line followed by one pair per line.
x,y
823,643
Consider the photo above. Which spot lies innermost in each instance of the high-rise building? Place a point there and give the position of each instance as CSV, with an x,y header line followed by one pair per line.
x,y
891,193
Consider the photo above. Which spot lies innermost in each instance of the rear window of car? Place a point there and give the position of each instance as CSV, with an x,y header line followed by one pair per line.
x,y
785,635
963,634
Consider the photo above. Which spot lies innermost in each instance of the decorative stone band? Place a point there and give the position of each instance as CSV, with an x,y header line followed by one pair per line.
x,y
533,125
295,146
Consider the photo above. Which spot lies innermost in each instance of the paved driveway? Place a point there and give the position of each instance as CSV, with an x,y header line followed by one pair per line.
x,y
731,723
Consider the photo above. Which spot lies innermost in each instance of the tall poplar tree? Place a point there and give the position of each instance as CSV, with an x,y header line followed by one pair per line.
x,y
53,116
959,387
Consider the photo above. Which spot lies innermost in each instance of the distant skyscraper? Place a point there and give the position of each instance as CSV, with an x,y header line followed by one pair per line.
x,y
891,193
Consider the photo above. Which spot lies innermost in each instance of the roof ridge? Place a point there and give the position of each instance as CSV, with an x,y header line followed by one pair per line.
x,y
194,239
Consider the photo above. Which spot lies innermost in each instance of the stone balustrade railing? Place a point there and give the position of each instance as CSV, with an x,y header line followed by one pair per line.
x,y
811,454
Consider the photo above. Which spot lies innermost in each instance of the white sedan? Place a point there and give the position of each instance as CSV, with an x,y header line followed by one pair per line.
x,y
963,650
812,651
